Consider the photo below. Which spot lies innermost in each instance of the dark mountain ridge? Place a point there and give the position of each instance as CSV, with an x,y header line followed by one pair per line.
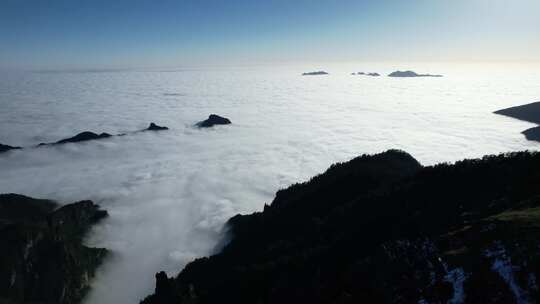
x,y
528,112
85,136
382,229
410,74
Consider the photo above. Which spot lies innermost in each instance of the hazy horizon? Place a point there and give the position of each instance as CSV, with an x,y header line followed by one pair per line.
x,y
344,67
143,34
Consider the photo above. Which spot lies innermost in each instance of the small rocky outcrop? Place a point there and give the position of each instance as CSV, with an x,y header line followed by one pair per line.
x,y
5,148
43,259
532,133
366,74
213,120
382,229
410,74
314,73
154,127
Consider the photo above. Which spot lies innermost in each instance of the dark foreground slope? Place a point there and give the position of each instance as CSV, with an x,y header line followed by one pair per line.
x,y
42,258
382,229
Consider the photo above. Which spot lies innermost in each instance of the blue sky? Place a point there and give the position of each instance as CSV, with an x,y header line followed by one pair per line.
x,y
118,34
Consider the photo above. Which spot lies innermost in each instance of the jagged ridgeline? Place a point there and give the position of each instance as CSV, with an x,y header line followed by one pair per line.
x,y
382,229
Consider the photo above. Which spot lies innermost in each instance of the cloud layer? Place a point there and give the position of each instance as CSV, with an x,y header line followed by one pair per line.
x,y
169,193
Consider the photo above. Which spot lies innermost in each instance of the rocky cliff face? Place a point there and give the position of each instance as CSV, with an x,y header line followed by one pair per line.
x,y
382,229
43,259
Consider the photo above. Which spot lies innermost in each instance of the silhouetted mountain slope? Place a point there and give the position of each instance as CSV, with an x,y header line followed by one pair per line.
x,y
529,112
382,229
43,259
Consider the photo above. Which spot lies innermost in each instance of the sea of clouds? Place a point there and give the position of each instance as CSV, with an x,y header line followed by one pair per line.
x,y
169,193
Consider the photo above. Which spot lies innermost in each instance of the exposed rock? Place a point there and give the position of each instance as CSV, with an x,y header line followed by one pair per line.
x,y
43,259
213,120
314,73
154,127
529,112
532,133
410,74
164,287
366,74
83,136
5,148
87,136
382,229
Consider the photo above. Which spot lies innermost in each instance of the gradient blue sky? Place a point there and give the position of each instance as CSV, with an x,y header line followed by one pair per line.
x,y
119,34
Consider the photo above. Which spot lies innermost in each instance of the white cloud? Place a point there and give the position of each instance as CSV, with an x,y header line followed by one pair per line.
x,y
169,193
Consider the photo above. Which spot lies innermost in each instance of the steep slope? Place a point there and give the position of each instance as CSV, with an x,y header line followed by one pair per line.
x,y
382,229
43,259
